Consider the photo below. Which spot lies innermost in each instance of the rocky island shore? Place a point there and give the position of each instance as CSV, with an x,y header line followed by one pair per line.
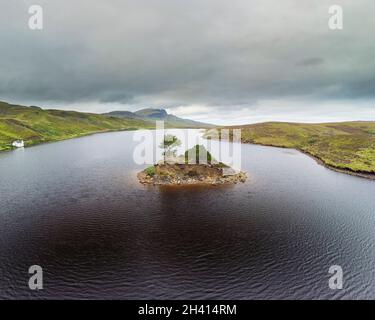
x,y
196,166
180,174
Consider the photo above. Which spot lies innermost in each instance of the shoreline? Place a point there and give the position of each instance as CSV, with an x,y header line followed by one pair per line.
x,y
84,135
364,175
70,138
181,174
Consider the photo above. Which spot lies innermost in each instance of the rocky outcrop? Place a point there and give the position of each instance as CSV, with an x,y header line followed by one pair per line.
x,y
182,174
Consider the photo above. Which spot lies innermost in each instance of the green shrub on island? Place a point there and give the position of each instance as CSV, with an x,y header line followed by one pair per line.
x,y
222,165
150,171
169,145
201,155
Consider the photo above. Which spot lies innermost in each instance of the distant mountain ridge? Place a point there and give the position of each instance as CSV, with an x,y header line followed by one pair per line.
x,y
36,125
150,114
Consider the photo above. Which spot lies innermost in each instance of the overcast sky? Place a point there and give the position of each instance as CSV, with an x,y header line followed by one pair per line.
x,y
220,61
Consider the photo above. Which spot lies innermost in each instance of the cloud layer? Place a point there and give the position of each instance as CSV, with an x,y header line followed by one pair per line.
x,y
201,59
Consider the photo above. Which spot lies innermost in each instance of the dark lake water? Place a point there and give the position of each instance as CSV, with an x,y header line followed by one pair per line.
x,y
76,209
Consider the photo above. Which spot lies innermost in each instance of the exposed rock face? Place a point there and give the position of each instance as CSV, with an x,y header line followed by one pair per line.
x,y
180,174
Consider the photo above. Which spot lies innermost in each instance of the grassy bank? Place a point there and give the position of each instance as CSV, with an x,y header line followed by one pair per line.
x,y
346,146
35,125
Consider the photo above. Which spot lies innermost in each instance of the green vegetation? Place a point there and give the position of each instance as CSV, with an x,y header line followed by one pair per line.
x,y
150,171
346,146
202,156
35,125
200,153
170,144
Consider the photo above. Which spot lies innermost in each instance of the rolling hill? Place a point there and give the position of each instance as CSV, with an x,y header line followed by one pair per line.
x,y
35,125
344,146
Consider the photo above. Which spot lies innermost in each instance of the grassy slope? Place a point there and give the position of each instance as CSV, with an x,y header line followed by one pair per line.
x,y
347,145
35,125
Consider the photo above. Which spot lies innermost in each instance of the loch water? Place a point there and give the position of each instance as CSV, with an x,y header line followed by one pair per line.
x,y
76,209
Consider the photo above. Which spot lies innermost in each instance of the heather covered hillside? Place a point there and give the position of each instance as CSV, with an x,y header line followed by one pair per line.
x,y
35,125
344,145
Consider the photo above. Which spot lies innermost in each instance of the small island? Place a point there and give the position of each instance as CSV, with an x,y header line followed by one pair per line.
x,y
195,166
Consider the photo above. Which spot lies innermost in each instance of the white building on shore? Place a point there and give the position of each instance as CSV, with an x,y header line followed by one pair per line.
x,y
18,144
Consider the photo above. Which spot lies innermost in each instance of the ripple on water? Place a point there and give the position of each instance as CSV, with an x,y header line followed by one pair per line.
x,y
97,233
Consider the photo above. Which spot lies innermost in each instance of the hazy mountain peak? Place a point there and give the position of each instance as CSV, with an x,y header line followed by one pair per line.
x,y
152,113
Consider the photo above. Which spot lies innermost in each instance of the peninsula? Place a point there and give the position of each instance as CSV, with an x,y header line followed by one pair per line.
x,y
347,147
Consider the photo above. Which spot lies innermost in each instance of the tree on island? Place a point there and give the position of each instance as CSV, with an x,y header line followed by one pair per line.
x,y
198,155
169,145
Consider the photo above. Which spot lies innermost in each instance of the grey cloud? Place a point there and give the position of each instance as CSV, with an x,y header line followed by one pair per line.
x,y
173,53
311,62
